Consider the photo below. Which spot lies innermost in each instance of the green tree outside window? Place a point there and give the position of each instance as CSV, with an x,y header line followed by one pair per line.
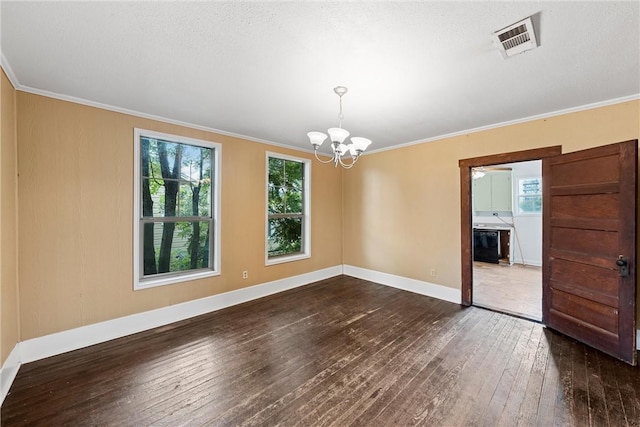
x,y
176,206
286,214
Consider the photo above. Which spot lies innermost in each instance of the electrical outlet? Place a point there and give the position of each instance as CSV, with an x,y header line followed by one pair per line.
x,y
433,272
245,274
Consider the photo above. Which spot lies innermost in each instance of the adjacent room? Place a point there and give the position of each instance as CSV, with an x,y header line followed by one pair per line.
x,y
507,238
319,213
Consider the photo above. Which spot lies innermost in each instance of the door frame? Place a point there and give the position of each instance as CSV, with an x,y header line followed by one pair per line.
x,y
466,218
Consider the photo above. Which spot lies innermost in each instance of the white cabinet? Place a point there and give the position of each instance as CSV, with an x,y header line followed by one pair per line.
x,y
492,194
482,193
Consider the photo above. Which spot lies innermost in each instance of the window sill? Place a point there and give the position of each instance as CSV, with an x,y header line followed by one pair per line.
x,y
286,258
186,277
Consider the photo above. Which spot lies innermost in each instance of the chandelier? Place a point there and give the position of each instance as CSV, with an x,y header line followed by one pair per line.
x,y
338,135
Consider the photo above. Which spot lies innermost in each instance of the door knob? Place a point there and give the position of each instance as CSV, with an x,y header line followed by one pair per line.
x,y
623,266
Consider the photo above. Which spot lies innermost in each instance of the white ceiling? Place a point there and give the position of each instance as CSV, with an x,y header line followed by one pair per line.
x,y
266,70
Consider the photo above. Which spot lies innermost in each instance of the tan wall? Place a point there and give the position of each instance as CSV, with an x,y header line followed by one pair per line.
x,y
9,321
402,207
75,199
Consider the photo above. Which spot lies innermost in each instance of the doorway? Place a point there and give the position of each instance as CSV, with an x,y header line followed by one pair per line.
x,y
506,201
466,168
589,242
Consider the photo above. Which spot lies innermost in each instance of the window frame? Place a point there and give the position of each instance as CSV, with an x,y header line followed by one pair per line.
x,y
140,282
306,211
518,195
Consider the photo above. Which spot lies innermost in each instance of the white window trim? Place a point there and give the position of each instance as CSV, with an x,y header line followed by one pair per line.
x,y
185,276
306,231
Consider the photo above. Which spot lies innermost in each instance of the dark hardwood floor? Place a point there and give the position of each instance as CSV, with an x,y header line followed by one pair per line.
x,y
338,352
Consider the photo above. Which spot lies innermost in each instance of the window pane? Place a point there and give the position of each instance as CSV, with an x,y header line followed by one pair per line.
x,y
285,236
293,174
293,201
196,163
530,204
149,158
167,152
152,198
276,171
145,157
194,199
276,199
285,186
178,246
181,189
283,200
530,186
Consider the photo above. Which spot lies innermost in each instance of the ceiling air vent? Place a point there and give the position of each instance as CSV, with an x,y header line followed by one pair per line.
x,y
516,38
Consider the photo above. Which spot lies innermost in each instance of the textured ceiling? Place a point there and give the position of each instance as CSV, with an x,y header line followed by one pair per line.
x,y
266,70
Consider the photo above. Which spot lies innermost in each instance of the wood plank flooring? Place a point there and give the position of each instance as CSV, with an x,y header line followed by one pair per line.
x,y
339,352
515,289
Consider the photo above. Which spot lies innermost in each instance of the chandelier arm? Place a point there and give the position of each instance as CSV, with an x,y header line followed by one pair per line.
x,y
347,165
323,161
354,160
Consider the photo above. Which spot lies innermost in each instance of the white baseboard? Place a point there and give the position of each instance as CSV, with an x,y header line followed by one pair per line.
x,y
84,336
9,371
417,286
534,263
404,283
62,342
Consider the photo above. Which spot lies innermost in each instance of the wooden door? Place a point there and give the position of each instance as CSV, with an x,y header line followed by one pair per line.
x,y
589,221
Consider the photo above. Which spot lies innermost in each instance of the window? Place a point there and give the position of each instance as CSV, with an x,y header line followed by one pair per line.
x,y
288,222
530,195
176,233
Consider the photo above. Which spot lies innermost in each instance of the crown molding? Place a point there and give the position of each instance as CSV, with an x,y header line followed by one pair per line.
x,y
513,122
9,71
13,79
135,113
